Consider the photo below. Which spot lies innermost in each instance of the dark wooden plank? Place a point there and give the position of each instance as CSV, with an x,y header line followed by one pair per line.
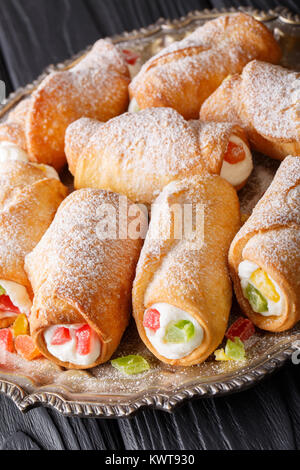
x,y
20,441
34,34
265,417
37,425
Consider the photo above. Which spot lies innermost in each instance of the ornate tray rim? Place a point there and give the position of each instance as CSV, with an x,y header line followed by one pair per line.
x,y
166,402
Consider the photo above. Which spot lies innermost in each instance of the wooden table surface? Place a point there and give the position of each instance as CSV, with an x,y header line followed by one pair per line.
x,y
34,34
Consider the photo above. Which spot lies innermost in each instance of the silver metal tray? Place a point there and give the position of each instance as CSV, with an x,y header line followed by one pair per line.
x,y
103,391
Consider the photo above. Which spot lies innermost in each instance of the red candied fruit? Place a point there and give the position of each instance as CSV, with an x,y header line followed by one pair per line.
x,y
83,340
7,340
61,336
152,319
130,56
234,154
6,305
242,328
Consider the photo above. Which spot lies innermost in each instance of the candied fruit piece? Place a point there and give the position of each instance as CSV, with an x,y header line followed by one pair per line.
x,y
257,301
242,328
83,340
131,365
6,340
21,325
130,56
220,355
2,291
26,348
235,350
152,319
6,305
180,332
234,153
264,284
61,336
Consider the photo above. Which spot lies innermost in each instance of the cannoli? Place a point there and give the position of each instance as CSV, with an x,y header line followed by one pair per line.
x,y
29,197
264,100
264,257
182,291
96,87
185,73
82,279
13,130
137,154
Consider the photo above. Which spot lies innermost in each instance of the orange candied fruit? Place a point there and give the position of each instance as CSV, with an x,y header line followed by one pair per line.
x,y
234,153
26,348
20,326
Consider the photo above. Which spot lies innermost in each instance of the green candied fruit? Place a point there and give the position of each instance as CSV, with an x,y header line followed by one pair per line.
x,y
131,365
180,332
257,301
2,291
235,350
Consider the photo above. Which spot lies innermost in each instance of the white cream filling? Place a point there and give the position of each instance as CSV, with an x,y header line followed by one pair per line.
x,y
133,106
19,297
239,172
169,313
11,152
49,171
246,268
67,352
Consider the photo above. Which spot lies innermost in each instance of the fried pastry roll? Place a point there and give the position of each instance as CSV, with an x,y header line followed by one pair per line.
x,y
137,154
185,73
82,279
264,101
13,130
182,291
264,257
96,87
29,197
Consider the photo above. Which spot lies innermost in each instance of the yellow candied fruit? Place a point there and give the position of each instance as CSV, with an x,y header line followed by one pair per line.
x,y
264,284
21,326
221,356
42,167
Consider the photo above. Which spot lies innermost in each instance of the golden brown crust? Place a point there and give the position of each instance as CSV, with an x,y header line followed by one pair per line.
x,y
184,74
13,130
97,87
194,280
79,277
14,133
138,154
263,101
28,202
271,239
213,139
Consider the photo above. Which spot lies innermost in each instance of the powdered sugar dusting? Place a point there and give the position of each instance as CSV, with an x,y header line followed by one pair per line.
x,y
271,100
277,216
275,208
160,137
76,258
220,47
21,208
